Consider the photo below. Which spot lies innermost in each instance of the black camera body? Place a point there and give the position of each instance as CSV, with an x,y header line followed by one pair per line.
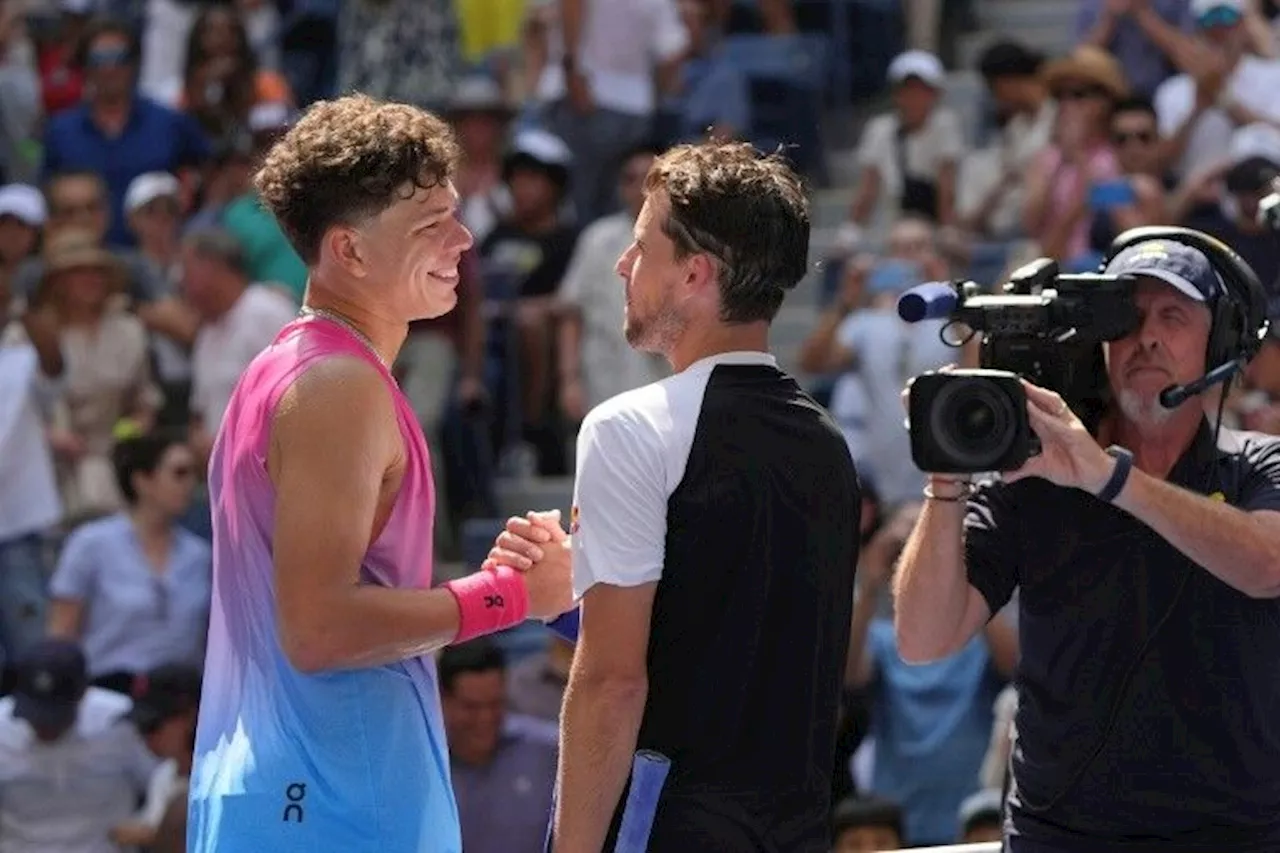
x,y
1045,327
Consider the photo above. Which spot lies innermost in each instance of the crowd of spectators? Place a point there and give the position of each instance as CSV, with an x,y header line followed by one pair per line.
x,y
139,276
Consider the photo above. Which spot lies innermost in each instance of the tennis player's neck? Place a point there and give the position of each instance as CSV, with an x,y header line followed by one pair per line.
x,y
697,344
385,333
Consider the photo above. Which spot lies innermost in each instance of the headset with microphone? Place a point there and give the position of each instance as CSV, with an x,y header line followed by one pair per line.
x,y
1239,325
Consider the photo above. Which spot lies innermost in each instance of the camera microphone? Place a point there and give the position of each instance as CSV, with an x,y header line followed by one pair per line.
x,y
934,300
1175,395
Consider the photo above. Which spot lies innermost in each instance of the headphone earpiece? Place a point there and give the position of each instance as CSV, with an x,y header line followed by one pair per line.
x,y
1239,314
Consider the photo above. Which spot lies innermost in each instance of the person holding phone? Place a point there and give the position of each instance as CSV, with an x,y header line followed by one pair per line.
x,y
1137,196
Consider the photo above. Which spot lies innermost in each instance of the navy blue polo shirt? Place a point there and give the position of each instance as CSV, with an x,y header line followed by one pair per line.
x,y
154,139
1188,757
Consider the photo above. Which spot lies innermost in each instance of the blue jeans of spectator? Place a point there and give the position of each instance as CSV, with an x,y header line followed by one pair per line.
x,y
24,595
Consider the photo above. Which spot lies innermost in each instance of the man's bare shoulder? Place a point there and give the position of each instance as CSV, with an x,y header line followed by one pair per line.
x,y
338,402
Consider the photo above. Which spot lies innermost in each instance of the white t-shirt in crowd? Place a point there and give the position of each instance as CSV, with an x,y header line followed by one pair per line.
x,y
621,41
66,796
592,285
1253,85
889,352
939,141
224,348
29,501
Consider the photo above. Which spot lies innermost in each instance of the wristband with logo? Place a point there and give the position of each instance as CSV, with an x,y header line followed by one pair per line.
x,y
489,601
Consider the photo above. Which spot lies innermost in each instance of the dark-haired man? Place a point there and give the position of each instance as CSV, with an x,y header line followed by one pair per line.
x,y
320,725
503,765
116,132
714,532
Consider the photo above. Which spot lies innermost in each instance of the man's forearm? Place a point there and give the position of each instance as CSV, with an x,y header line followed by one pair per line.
x,y
931,590
1239,548
1177,46
366,625
599,726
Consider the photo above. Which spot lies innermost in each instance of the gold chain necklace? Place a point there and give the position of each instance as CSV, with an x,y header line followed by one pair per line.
x,y
335,317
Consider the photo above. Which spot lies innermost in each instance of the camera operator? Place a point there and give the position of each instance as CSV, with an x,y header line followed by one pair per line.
x,y
1149,678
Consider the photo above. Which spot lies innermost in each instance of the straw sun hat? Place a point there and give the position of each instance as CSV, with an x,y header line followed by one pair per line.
x,y
1091,65
72,249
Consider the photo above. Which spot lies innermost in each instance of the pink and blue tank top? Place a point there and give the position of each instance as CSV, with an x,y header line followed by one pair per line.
x,y
290,762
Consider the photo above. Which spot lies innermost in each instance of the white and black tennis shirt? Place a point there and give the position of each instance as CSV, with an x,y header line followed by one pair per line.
x,y
734,491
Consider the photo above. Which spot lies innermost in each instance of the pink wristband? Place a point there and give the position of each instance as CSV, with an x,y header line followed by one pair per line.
x,y
489,601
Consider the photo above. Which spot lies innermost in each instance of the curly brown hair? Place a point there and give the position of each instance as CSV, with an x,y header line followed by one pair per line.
x,y
746,209
347,160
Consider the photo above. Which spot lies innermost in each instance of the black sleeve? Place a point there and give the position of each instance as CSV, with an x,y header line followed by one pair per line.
x,y
991,551
1260,484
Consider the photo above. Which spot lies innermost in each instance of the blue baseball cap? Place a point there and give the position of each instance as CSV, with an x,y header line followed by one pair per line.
x,y
51,679
1217,13
1176,264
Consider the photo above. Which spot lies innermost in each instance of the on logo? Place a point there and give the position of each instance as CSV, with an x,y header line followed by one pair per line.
x,y
493,601
295,793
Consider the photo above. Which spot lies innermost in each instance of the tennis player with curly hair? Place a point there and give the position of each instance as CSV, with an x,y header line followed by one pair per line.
x,y
320,725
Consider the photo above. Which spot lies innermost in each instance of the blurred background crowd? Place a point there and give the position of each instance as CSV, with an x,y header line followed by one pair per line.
x,y
139,276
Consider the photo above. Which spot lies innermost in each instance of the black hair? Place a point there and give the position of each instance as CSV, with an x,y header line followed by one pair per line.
x,y
1009,59
855,812
479,655
745,209
105,27
1134,104
141,455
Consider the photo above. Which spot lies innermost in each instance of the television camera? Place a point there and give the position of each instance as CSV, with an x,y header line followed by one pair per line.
x,y
1045,326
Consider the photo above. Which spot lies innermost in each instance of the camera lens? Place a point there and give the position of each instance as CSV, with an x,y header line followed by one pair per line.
x,y
974,419
973,422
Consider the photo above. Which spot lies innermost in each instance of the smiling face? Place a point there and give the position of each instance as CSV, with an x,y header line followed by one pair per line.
x,y
1167,348
412,249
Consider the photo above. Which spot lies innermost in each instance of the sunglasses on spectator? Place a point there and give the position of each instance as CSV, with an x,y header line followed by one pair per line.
x,y
1146,137
1080,93
107,57
1219,16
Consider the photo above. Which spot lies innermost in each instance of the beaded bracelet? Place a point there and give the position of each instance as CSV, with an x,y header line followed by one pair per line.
x,y
965,492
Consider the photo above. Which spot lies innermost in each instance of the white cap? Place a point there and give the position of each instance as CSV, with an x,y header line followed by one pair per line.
x,y
1199,7
23,202
919,64
271,115
1255,140
542,146
477,93
148,187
